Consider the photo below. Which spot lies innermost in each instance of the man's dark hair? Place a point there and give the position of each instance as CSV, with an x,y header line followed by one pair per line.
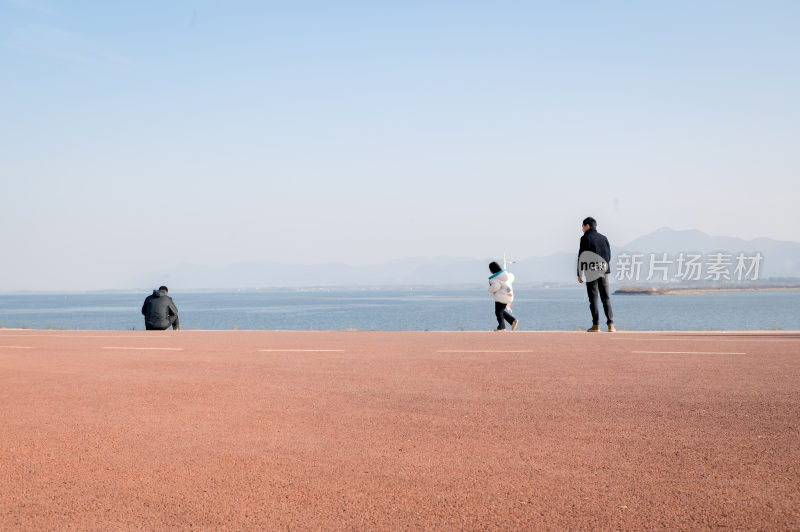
x,y
591,222
494,267
164,288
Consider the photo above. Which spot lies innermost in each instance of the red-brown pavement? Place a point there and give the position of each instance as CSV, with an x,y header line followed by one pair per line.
x,y
114,430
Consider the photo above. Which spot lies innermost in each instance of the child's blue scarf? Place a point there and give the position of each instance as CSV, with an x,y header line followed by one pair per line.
x,y
498,273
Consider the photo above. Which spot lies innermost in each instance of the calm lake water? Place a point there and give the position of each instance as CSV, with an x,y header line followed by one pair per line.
x,y
406,310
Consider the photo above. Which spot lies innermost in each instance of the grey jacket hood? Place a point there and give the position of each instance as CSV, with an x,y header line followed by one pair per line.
x,y
159,293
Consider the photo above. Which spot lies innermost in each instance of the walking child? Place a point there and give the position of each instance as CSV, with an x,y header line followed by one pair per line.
x,y
500,287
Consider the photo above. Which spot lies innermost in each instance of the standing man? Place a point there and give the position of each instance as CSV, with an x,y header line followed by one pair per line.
x,y
160,311
594,257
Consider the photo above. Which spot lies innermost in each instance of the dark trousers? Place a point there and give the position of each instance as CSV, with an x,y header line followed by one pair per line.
x,y
502,314
173,322
600,285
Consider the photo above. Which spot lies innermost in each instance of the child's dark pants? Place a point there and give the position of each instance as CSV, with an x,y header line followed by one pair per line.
x,y
501,313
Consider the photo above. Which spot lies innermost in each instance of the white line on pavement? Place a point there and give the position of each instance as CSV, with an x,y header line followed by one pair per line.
x,y
687,353
15,347
148,348
481,351
153,337
301,350
752,339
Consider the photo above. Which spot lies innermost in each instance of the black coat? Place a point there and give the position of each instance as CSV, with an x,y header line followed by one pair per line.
x,y
596,243
157,309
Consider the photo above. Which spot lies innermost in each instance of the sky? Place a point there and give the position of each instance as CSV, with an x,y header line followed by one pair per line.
x,y
138,136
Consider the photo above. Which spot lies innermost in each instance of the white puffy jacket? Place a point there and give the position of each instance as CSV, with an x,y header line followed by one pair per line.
x,y
500,286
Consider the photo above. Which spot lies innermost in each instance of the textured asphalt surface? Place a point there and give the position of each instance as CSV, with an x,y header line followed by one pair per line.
x,y
386,431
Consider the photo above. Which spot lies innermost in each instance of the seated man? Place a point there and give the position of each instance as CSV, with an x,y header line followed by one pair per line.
x,y
160,311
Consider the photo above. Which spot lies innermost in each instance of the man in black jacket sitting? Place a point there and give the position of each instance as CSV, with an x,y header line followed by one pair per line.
x,y
594,259
160,311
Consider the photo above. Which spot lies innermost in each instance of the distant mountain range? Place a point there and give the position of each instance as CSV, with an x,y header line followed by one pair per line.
x,y
781,260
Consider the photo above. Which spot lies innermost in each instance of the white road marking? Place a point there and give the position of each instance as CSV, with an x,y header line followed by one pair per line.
x,y
752,339
148,348
688,353
701,332
154,337
481,351
301,350
15,347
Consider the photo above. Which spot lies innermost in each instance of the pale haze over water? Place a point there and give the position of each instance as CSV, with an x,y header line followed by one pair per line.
x,y
137,137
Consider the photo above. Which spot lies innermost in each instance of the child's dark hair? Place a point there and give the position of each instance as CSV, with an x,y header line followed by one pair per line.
x,y
494,267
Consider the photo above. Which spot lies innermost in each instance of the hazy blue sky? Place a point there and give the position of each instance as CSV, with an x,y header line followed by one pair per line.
x,y
142,133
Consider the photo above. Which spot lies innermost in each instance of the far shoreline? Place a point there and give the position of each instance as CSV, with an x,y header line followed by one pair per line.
x,y
686,290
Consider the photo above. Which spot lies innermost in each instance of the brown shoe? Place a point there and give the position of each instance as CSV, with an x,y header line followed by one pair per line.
x,y
593,328
514,325
611,328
